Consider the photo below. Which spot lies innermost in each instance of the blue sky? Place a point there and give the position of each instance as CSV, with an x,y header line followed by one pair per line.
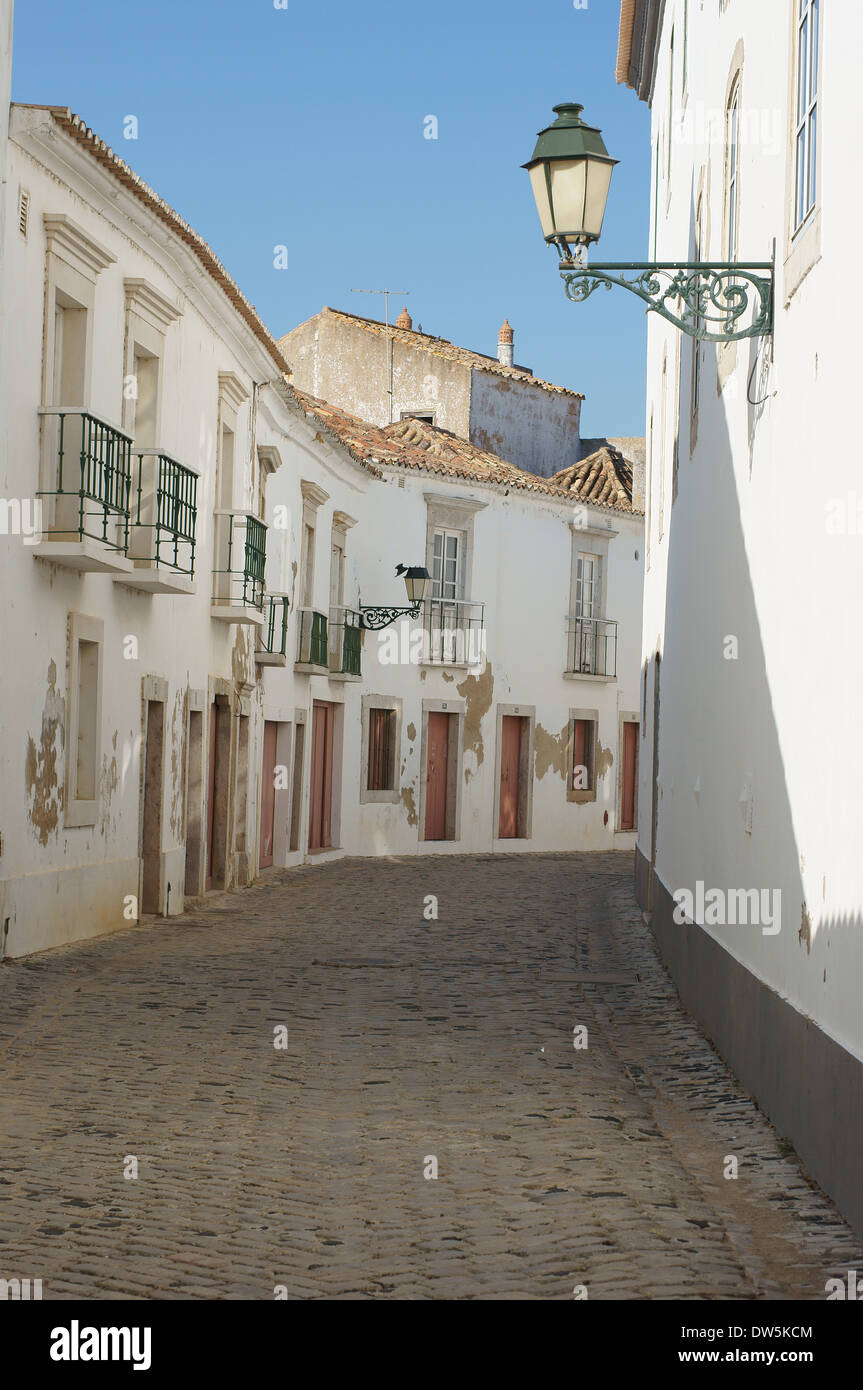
x,y
304,127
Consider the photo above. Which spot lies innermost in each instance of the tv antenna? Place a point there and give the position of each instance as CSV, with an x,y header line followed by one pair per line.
x,y
389,340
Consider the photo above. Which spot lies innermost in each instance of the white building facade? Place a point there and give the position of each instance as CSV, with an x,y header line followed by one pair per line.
x,y
191,698
754,551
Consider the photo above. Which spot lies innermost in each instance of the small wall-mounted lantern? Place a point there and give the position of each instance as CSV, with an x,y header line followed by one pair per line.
x,y
417,580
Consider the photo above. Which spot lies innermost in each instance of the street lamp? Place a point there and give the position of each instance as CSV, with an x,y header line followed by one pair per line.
x,y
570,173
417,580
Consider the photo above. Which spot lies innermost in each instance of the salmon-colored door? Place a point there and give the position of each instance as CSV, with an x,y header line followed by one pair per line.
x,y
510,763
211,796
436,778
321,791
630,776
268,793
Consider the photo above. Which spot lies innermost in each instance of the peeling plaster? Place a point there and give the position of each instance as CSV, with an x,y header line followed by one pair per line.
x,y
179,725
412,733
409,803
40,764
604,760
478,693
804,936
109,781
551,751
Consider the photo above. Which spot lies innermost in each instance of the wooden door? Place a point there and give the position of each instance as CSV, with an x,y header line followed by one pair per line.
x,y
510,765
437,776
268,793
211,795
630,776
321,790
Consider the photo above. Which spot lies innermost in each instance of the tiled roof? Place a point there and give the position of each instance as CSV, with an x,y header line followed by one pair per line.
x,y
415,444
603,478
79,131
442,347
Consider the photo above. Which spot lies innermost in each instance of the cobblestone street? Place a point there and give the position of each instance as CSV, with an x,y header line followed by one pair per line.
x,y
407,1038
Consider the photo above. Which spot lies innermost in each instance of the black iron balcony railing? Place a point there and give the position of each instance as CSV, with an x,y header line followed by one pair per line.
x,y
345,641
240,560
312,639
273,636
93,478
453,632
592,647
164,513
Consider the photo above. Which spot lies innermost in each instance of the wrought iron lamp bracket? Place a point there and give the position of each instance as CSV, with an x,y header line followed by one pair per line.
x,y
377,618
712,297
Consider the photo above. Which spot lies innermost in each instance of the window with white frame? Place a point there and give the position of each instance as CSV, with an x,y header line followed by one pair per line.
x,y
447,564
732,199
806,110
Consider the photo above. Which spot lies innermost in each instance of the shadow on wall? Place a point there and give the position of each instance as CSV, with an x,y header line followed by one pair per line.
x,y
718,740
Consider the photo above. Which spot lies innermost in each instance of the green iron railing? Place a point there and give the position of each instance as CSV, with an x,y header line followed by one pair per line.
x,y
241,542
313,638
345,641
274,635
94,479
166,504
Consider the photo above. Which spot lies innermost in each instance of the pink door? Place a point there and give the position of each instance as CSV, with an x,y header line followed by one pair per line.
x,y
630,776
436,778
321,791
510,762
268,793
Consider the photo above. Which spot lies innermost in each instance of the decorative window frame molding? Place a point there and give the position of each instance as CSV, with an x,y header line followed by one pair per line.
x,y
581,796
452,514
455,780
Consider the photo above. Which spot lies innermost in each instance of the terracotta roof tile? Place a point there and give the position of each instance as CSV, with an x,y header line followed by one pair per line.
x,y
603,478
428,449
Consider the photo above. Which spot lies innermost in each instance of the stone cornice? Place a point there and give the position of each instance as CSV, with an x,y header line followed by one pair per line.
x,y
143,299
71,243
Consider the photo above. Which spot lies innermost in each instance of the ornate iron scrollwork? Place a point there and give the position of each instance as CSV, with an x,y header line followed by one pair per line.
x,y
376,618
713,298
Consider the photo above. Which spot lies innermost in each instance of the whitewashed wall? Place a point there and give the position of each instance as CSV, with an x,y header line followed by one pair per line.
x,y
765,540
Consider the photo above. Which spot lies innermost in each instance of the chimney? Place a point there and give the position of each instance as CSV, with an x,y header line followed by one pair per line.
x,y
404,319
505,345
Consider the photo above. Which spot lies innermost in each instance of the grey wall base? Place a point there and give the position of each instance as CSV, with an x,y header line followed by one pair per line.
x,y
807,1084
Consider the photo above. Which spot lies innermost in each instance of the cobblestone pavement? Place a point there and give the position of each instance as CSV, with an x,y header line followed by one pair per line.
x,y
407,1038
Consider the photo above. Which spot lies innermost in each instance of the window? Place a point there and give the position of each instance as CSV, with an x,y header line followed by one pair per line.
x,y
83,753
382,729
426,417
587,598
581,781
733,171
70,351
382,717
670,110
448,565
806,111
307,564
